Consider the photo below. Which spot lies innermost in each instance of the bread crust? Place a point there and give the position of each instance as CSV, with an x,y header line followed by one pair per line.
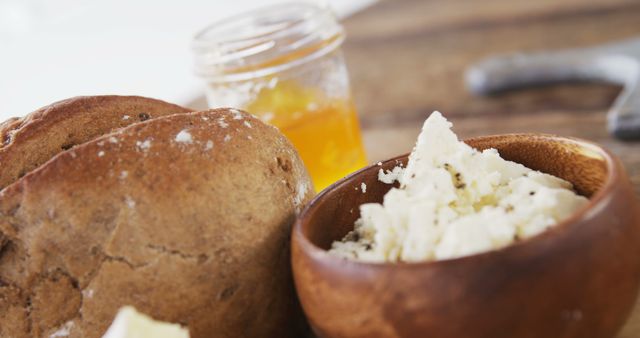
x,y
28,142
186,217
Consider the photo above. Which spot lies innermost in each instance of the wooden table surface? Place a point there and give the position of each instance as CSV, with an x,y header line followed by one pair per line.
x,y
407,58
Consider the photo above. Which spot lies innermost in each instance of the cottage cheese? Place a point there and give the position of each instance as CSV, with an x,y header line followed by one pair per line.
x,y
131,324
455,201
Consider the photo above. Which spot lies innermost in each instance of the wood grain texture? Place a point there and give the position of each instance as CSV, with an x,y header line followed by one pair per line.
x,y
407,58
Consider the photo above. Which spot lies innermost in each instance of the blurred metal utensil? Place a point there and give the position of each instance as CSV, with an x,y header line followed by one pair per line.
x,y
617,63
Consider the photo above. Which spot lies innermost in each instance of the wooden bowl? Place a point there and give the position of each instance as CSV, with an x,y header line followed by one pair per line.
x,y
579,279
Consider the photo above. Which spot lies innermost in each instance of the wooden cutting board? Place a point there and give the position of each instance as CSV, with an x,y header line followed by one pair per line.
x,y
407,58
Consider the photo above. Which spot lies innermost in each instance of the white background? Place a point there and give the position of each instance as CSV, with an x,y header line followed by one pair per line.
x,y
55,49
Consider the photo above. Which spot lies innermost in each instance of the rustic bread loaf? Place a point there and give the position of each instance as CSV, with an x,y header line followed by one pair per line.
x,y
186,217
26,143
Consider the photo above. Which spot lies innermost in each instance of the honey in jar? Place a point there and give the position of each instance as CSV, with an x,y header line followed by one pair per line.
x,y
284,65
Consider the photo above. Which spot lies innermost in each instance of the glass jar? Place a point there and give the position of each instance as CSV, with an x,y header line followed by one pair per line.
x,y
284,64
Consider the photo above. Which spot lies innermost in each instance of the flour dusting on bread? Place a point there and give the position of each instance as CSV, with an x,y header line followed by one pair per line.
x,y
143,145
184,136
208,145
130,202
237,115
63,331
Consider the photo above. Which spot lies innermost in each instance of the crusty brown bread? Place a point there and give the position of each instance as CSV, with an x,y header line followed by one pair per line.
x,y
186,217
26,143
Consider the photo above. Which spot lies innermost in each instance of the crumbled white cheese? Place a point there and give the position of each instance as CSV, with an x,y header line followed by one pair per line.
x,y
100,153
184,136
63,331
455,201
112,139
123,174
131,324
126,117
227,138
247,124
363,186
391,175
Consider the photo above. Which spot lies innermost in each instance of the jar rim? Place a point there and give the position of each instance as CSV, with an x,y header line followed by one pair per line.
x,y
265,41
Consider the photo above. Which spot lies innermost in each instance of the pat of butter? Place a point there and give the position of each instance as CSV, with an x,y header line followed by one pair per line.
x,y
131,324
455,201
